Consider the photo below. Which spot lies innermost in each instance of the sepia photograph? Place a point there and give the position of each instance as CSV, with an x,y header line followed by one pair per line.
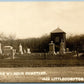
x,y
41,41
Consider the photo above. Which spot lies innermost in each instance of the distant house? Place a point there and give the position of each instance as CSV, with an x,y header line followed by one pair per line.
x,y
58,36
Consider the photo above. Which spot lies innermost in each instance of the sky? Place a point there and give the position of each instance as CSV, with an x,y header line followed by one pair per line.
x,y
34,19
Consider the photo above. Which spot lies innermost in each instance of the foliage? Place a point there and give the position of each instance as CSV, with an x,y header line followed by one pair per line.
x,y
41,44
35,44
75,42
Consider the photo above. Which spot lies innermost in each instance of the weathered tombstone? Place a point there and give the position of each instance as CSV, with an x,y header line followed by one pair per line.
x,y
52,48
13,53
0,49
62,49
28,50
67,49
57,52
25,51
7,50
20,49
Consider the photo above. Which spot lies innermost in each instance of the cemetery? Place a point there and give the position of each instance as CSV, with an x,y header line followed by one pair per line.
x,y
57,55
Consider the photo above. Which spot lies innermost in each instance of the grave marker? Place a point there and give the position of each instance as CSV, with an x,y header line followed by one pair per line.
x,y
20,49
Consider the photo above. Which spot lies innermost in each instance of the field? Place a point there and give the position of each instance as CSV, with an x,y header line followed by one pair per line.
x,y
41,60
51,72
23,68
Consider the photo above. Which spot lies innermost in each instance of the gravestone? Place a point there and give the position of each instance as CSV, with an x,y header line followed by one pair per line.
x,y
62,48
13,53
67,49
52,48
28,50
57,53
9,51
0,49
25,51
20,49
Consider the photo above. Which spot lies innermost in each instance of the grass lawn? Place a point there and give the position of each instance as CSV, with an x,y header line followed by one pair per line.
x,y
41,60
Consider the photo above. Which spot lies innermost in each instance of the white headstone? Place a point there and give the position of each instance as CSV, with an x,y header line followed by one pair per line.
x,y
20,49
52,48
62,49
57,52
13,53
28,50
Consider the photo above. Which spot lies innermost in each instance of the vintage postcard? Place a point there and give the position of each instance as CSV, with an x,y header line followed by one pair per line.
x,y
41,41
